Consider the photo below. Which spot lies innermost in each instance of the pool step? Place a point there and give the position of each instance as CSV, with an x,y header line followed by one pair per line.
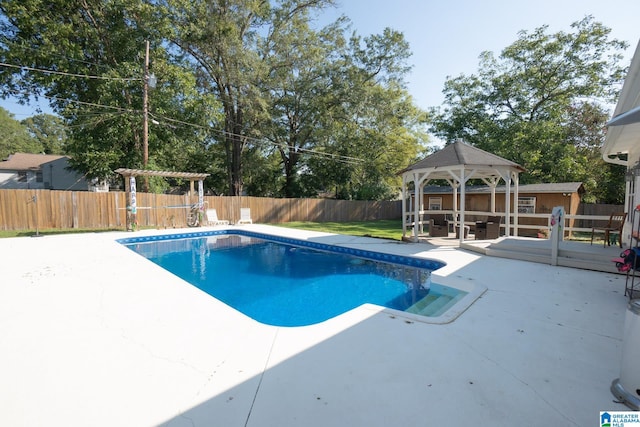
x,y
431,305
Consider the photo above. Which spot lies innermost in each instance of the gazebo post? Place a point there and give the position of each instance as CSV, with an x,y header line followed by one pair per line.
x,y
416,208
493,198
403,197
406,198
516,181
507,206
463,184
454,186
492,183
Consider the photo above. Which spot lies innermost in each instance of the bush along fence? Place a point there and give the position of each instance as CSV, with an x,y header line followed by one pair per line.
x,y
51,209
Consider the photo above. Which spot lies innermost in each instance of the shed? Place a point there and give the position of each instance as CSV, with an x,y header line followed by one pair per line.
x,y
532,199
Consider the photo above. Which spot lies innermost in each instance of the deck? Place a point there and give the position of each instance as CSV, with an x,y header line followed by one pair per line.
x,y
575,254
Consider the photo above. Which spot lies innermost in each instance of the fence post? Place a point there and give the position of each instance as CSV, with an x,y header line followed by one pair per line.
x,y
557,232
74,209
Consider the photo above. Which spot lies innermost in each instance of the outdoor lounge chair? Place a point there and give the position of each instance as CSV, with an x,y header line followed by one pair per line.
x,y
489,229
212,218
438,226
615,224
245,216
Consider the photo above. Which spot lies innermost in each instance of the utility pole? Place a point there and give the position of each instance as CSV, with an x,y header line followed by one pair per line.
x,y
145,116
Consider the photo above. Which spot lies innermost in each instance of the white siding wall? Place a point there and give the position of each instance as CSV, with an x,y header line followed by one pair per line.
x,y
10,179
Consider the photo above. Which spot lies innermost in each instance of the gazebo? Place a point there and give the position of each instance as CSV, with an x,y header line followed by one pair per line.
x,y
457,163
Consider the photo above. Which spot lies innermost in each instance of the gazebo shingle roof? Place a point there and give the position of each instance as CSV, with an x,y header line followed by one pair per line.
x,y
460,153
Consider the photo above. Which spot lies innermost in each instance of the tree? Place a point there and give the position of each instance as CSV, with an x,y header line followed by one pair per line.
x,y
88,59
297,94
385,132
585,132
49,130
224,41
373,127
533,103
240,82
14,137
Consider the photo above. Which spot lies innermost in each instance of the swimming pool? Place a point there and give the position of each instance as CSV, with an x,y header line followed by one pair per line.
x,y
290,282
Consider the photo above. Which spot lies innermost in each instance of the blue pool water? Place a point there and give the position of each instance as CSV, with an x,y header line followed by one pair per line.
x,y
296,283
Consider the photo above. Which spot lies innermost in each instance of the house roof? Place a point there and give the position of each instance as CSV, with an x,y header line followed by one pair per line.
x,y
27,161
623,133
462,154
558,187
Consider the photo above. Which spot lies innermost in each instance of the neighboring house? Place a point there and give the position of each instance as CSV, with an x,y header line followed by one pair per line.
x,y
40,171
532,199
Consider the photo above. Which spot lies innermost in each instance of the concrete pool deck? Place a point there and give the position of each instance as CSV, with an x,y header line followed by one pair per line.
x,y
94,335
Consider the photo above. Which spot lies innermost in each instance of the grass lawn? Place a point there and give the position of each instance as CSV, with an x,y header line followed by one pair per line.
x,y
386,229
30,233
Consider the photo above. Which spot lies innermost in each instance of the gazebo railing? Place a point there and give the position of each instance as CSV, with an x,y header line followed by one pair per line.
x,y
540,222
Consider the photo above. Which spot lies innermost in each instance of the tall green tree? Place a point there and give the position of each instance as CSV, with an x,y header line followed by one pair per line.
x,y
373,124
49,130
88,59
385,132
533,103
14,137
225,41
240,82
299,81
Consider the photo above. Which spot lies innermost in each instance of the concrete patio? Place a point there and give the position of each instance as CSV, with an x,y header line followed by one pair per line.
x,y
94,335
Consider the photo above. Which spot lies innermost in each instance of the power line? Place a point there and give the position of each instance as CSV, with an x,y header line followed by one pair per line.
x,y
22,45
62,73
89,104
337,157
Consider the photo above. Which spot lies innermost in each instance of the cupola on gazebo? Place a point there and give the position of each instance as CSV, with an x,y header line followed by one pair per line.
x,y
457,163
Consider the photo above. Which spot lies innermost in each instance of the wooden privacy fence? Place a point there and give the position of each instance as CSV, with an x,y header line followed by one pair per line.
x,y
51,209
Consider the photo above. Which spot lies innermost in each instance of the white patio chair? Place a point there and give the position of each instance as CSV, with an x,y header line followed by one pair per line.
x,y
245,216
212,218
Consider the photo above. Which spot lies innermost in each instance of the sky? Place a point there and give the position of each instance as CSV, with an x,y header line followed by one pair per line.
x,y
446,38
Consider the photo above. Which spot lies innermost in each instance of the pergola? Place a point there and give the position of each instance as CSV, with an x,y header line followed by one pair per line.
x,y
130,187
457,163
